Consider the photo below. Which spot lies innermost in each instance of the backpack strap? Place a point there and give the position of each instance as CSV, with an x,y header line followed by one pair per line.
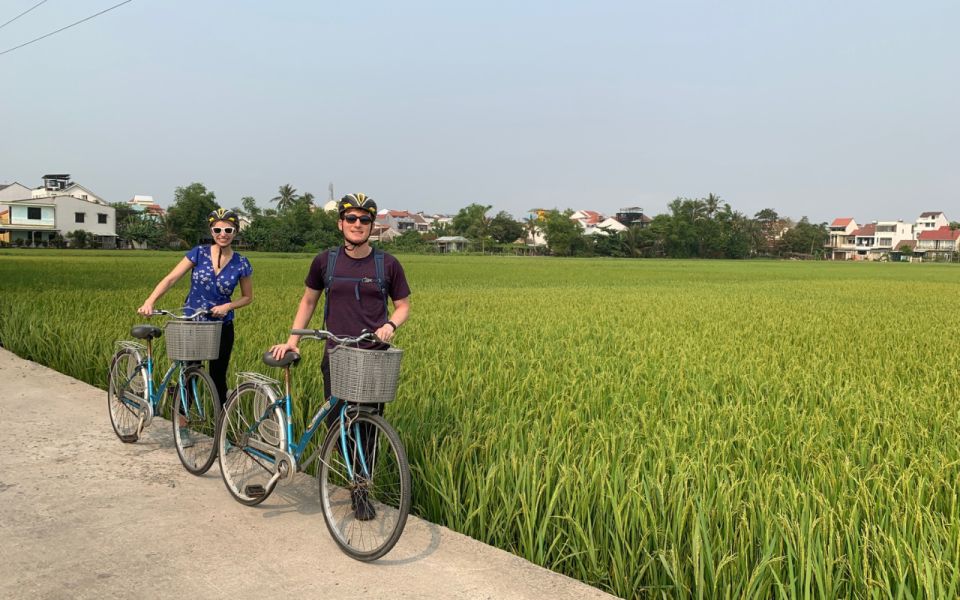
x,y
380,280
328,281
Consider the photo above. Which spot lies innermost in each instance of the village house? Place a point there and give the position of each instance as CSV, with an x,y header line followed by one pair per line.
x,y
938,244
54,209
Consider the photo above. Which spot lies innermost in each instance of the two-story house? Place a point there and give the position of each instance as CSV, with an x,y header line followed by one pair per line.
x,y
864,240
889,235
841,241
939,244
59,207
929,221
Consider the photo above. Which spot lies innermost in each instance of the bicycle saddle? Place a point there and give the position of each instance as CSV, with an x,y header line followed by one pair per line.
x,y
145,332
290,358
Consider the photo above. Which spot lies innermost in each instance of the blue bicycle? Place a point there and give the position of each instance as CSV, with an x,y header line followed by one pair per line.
x,y
363,472
133,397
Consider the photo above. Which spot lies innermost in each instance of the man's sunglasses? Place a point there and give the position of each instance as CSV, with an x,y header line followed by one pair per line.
x,y
354,218
219,230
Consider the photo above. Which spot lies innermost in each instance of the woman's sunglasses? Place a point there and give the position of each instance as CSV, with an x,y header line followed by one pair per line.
x,y
219,230
354,218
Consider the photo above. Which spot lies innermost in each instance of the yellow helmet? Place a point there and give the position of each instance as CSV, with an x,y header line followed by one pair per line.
x,y
361,201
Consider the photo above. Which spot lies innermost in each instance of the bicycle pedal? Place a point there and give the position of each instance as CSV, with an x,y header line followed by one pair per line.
x,y
255,491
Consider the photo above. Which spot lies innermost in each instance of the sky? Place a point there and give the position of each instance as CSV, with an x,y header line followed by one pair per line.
x,y
818,109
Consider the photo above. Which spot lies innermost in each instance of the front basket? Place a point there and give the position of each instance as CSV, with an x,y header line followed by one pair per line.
x,y
364,376
193,340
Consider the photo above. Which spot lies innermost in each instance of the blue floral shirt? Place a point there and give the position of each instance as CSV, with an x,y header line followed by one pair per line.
x,y
208,289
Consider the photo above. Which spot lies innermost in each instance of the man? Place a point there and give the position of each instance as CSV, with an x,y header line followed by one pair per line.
x,y
356,287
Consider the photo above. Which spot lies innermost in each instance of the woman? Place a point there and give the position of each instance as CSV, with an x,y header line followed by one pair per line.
x,y
217,270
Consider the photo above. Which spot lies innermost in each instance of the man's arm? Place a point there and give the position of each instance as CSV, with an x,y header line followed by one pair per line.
x,y
308,305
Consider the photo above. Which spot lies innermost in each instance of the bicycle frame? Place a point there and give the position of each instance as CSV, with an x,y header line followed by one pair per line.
x,y
296,447
155,392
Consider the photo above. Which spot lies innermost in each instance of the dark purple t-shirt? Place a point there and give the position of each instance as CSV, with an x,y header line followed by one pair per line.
x,y
349,316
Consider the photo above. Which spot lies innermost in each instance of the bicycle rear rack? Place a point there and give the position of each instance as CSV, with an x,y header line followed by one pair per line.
x,y
254,377
128,345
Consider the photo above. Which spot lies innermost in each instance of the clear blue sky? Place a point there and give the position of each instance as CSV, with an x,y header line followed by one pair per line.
x,y
811,108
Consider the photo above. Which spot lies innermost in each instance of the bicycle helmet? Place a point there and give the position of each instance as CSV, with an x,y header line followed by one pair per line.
x,y
361,201
223,214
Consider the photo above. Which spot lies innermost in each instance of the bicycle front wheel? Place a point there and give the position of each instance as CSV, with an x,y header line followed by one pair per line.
x,y
126,395
250,434
364,485
195,417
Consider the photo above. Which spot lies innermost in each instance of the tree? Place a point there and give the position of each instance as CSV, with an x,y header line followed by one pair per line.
x,y
287,197
564,235
143,230
307,200
249,204
79,238
805,238
123,211
473,223
504,228
187,218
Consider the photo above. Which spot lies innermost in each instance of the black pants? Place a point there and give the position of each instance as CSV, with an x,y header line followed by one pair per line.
x,y
218,368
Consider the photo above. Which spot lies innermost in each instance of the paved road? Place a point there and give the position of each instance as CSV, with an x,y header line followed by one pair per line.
x,y
85,516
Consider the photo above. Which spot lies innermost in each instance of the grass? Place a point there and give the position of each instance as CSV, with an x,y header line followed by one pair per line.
x,y
699,429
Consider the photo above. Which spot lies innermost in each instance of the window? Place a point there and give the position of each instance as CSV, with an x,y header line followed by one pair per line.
x,y
101,218
84,196
33,213
78,217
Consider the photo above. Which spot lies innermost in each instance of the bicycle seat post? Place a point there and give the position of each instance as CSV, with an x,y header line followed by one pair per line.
x,y
286,380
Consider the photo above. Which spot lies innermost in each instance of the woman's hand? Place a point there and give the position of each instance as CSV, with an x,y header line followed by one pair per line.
x,y
146,310
220,310
279,350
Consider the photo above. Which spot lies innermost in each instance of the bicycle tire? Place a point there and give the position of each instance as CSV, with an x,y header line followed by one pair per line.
x,y
196,442
126,394
248,472
365,514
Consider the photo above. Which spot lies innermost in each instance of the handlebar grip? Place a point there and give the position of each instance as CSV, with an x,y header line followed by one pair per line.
x,y
303,332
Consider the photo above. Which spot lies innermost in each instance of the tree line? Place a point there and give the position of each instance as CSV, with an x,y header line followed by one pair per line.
x,y
692,228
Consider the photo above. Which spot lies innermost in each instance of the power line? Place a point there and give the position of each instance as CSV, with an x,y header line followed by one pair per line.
x,y
23,13
65,28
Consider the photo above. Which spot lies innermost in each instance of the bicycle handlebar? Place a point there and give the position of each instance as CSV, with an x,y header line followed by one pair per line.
x,y
182,317
322,334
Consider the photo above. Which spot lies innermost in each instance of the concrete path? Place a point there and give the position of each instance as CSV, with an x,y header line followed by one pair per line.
x,y
83,515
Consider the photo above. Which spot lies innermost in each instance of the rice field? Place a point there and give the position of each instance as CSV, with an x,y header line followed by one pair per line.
x,y
655,428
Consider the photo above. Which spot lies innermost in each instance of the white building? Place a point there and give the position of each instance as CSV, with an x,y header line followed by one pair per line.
x,y
889,234
929,221
59,207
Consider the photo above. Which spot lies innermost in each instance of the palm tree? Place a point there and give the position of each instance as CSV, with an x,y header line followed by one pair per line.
x,y
287,197
307,200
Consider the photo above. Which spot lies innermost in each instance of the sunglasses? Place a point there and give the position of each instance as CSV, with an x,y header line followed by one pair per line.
x,y
219,230
354,218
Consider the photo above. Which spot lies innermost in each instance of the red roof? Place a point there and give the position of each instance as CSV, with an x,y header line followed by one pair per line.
x,y
399,213
866,230
841,222
944,233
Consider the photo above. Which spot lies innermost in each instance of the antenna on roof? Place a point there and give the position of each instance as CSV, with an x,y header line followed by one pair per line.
x,y
330,187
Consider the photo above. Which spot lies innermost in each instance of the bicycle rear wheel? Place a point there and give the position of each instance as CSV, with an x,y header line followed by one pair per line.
x,y
365,498
252,427
126,395
195,419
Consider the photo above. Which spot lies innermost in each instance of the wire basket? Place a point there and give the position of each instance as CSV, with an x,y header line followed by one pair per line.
x,y
364,376
193,340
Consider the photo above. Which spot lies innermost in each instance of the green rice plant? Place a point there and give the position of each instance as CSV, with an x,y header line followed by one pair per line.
x,y
674,429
